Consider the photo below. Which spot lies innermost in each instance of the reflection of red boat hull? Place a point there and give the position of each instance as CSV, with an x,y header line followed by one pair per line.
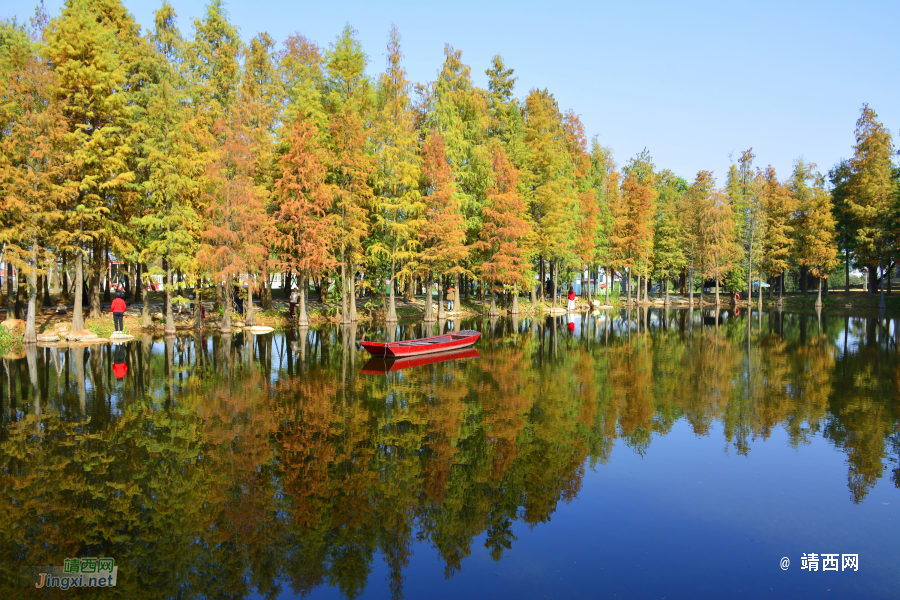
x,y
440,343
379,366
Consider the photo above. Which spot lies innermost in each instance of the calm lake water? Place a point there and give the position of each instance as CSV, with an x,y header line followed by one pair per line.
x,y
659,454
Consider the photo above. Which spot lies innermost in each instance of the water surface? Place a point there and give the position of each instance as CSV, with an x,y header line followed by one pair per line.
x,y
644,455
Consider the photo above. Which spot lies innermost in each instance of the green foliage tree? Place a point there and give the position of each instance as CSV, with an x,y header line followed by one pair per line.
x,y
779,206
398,213
871,193
814,225
94,47
33,169
668,236
348,103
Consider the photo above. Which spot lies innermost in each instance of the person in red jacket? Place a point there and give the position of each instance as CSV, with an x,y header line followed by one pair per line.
x,y
120,367
118,311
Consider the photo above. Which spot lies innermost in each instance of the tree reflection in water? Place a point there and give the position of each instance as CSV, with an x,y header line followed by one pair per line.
x,y
222,466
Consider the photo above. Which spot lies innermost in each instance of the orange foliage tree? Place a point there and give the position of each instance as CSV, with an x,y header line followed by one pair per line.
x,y
308,229
444,235
505,234
237,224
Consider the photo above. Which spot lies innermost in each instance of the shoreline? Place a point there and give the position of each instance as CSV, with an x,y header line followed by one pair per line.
x,y
51,323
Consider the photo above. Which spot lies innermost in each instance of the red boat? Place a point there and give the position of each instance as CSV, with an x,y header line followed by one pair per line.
x,y
379,365
439,343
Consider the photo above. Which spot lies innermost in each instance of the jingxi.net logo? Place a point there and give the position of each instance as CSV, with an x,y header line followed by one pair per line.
x,y
78,572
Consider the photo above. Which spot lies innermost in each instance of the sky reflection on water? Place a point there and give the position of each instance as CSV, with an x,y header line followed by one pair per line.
x,y
646,454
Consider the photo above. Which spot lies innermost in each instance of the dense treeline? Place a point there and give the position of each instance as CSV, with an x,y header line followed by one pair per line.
x,y
207,159
256,462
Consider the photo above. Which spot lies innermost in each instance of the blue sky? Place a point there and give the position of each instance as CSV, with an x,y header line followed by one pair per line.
x,y
694,82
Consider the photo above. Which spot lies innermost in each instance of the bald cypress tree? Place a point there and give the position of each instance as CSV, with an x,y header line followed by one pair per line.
x,y
309,229
506,234
171,151
33,169
459,112
90,46
348,104
549,175
814,233
779,207
443,236
668,237
871,194
398,214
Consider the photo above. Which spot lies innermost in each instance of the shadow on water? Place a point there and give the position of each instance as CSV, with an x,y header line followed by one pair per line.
x,y
251,461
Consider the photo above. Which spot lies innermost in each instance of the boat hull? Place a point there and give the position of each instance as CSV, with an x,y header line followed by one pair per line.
x,y
441,343
379,365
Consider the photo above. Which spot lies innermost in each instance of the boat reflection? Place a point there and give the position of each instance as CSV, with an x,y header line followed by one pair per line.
x,y
379,366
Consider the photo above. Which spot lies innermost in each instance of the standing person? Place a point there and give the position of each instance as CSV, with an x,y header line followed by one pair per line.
x,y
450,296
238,300
295,298
571,305
118,311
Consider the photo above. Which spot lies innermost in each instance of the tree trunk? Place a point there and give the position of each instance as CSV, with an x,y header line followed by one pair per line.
x,y
609,283
781,290
30,334
881,304
138,286
129,279
628,301
78,312
759,299
888,275
146,321
456,282
108,285
48,303
541,295
64,286
303,319
846,268
514,310
96,273
170,320
351,287
667,291
555,266
429,309
267,277
225,325
392,306
441,311
250,311
19,293
873,279
641,289
345,310
198,305
717,287
819,299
